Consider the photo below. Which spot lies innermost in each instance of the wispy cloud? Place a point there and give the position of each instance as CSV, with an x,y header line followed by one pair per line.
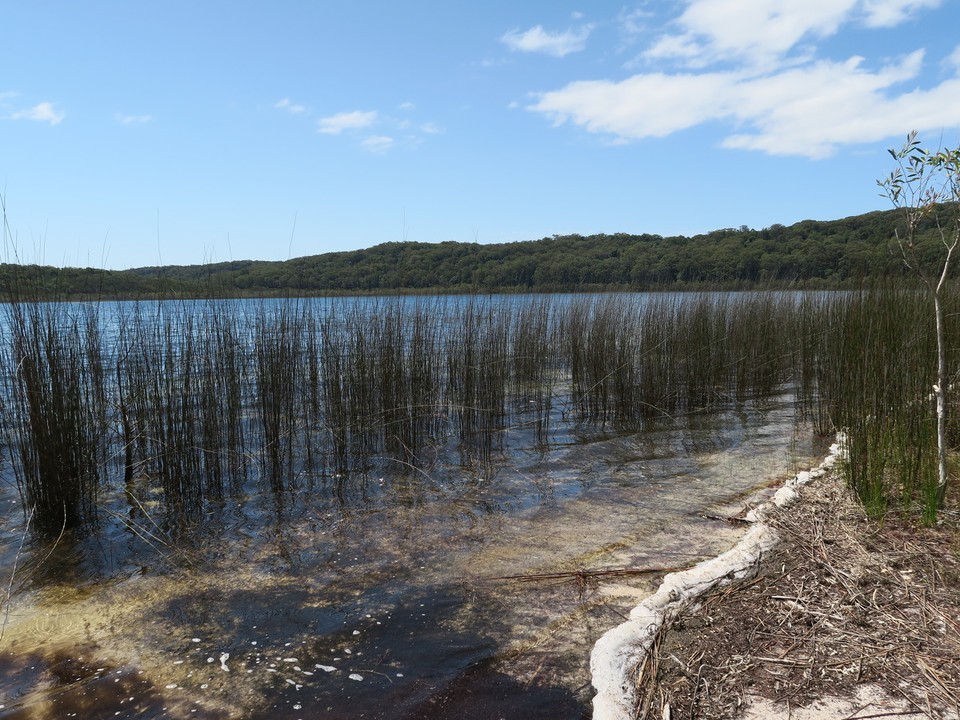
x,y
378,143
356,120
133,119
952,62
289,106
377,132
633,21
890,13
557,44
41,112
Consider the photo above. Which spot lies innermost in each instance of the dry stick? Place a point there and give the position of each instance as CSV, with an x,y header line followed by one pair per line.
x,y
583,574
13,574
935,679
881,715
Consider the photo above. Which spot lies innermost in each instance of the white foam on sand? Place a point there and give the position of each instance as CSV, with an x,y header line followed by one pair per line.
x,y
621,650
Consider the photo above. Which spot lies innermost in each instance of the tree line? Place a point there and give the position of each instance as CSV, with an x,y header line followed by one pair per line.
x,y
810,253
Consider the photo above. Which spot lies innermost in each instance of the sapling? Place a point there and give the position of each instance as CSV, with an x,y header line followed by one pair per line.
x,y
925,185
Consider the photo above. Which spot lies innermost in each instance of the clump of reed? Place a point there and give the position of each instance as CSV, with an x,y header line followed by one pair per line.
x,y
875,372
478,365
534,365
278,371
601,358
675,354
55,400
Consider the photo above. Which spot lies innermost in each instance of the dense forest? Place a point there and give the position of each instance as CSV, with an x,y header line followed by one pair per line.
x,y
810,253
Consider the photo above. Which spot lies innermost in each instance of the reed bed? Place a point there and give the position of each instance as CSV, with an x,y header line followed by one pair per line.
x,y
185,403
876,367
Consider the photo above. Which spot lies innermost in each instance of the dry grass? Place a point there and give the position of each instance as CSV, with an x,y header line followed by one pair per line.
x,y
844,602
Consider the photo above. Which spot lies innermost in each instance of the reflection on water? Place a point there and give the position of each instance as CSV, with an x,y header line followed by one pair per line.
x,y
381,600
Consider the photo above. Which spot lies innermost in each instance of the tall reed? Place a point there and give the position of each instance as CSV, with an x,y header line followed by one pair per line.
x,y
874,377
186,403
55,411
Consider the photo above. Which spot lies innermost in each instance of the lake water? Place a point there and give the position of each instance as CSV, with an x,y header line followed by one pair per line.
x,y
454,590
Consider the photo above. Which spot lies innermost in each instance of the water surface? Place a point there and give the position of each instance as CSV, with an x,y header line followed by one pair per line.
x,y
458,586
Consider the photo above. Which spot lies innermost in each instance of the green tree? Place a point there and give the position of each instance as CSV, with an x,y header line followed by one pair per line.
x,y
925,186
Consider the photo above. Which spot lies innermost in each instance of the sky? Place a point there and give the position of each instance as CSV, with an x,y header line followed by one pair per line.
x,y
148,133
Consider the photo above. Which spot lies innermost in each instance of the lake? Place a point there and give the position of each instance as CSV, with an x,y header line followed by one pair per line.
x,y
454,574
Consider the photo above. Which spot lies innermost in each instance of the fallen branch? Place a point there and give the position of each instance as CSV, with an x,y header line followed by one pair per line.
x,y
583,574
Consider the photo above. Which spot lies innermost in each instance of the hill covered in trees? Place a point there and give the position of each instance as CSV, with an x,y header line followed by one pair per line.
x,y
810,253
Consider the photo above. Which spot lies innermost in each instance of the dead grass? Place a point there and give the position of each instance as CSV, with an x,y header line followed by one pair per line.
x,y
844,602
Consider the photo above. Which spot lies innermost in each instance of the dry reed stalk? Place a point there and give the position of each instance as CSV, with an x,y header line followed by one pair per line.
x,y
844,602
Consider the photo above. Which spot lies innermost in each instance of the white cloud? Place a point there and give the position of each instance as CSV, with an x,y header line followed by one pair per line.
x,y
642,106
755,67
133,119
378,143
430,128
759,31
889,13
41,112
536,39
808,111
289,106
356,120
407,106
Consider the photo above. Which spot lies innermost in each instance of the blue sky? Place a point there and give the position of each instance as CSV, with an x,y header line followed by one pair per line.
x,y
144,133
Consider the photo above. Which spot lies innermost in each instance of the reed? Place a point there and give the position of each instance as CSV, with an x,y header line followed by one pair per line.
x,y
55,414
535,367
477,362
188,403
278,367
875,378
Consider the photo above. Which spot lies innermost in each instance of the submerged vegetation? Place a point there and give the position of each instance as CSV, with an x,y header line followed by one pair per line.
x,y
180,404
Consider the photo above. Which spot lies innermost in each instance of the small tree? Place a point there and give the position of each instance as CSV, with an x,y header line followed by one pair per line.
x,y
925,185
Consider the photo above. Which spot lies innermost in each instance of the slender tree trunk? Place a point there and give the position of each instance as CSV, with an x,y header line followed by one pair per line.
x,y
940,391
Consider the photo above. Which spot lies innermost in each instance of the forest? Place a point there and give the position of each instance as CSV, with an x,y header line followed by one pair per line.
x,y
808,254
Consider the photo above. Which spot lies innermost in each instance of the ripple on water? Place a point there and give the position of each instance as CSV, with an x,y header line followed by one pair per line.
x,y
391,610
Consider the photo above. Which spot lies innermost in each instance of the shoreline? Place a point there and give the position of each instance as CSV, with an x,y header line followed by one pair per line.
x,y
845,617
622,650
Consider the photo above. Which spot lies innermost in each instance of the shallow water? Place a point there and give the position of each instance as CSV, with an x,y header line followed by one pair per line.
x,y
397,600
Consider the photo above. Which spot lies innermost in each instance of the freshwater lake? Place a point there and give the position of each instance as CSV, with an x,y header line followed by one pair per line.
x,y
453,590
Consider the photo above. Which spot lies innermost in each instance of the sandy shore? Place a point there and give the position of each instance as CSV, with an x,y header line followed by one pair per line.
x,y
847,618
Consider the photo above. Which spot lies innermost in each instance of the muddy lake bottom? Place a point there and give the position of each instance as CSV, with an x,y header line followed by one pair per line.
x,y
399,601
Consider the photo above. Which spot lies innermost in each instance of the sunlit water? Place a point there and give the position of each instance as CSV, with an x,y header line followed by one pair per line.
x,y
453,589
399,600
